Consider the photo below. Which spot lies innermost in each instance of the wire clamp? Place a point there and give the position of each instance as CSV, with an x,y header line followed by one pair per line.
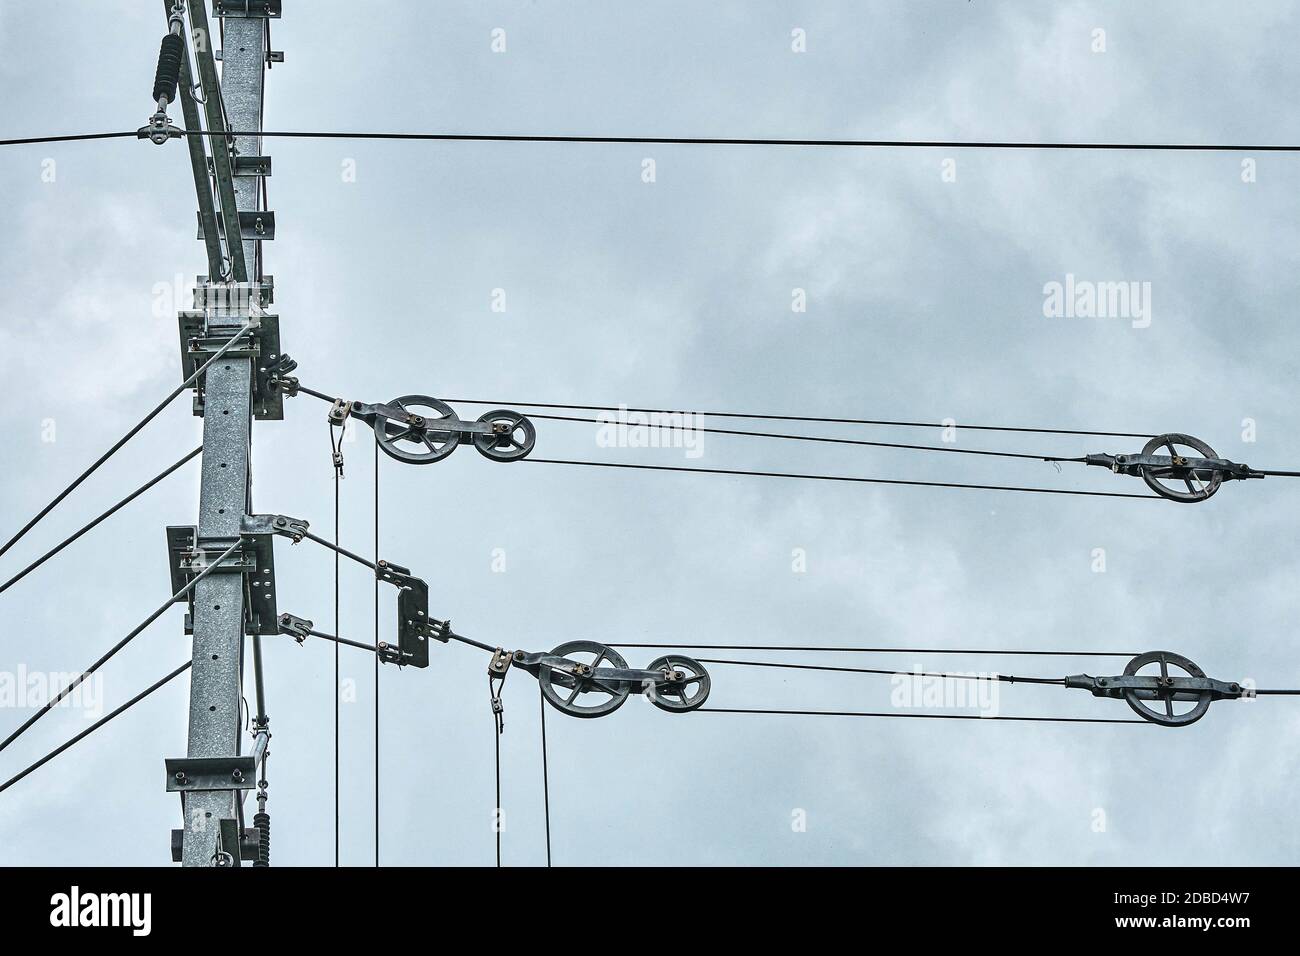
x,y
299,628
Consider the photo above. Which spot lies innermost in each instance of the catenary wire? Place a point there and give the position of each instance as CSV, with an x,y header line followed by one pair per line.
x,y
686,141
193,377
880,650
861,713
816,419
870,481
1005,678
95,726
376,652
107,514
813,438
546,781
334,461
53,702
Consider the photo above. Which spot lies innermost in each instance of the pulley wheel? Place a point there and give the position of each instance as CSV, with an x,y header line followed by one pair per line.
x,y
691,691
1168,482
512,438
417,441
1166,714
583,696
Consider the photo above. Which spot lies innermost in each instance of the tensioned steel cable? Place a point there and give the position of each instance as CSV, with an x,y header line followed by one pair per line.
x,y
53,702
685,141
334,460
816,419
1005,678
862,713
546,782
193,377
376,652
107,514
816,438
880,650
848,478
95,726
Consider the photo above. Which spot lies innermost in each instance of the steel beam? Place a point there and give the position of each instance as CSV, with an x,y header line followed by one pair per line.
x,y
225,494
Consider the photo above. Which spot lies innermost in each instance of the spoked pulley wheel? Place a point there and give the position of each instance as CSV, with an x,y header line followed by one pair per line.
x,y
1176,482
417,440
686,689
582,695
1172,707
512,437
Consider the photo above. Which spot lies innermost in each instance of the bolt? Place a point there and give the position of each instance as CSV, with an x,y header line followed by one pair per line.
x,y
180,776
237,776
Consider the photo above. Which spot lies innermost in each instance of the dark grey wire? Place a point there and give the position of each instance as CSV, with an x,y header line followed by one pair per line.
x,y
870,481
1005,678
819,438
53,702
125,438
881,650
95,726
860,713
107,514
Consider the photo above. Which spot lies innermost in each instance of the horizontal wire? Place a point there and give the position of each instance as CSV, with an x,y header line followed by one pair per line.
x,y
880,650
1006,678
95,726
107,514
870,481
803,418
861,713
816,438
690,141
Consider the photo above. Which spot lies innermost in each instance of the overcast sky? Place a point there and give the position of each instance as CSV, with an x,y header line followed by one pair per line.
x,y
925,301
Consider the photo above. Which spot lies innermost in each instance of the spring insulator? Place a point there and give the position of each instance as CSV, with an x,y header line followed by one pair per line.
x,y
169,68
262,824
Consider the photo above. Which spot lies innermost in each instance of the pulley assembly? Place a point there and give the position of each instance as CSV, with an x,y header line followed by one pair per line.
x,y
420,429
1181,699
581,687
1179,475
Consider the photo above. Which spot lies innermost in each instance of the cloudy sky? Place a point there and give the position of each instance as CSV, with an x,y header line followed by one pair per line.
x,y
925,297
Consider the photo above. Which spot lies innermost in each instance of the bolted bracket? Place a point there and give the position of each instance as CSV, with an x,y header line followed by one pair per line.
x,y
186,774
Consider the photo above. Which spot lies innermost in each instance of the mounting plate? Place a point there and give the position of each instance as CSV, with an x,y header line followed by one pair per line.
x,y
186,774
268,402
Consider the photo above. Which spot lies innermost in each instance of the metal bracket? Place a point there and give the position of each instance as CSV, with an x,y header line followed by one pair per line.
x,y
246,8
188,555
200,337
185,774
248,839
253,224
255,166
414,626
